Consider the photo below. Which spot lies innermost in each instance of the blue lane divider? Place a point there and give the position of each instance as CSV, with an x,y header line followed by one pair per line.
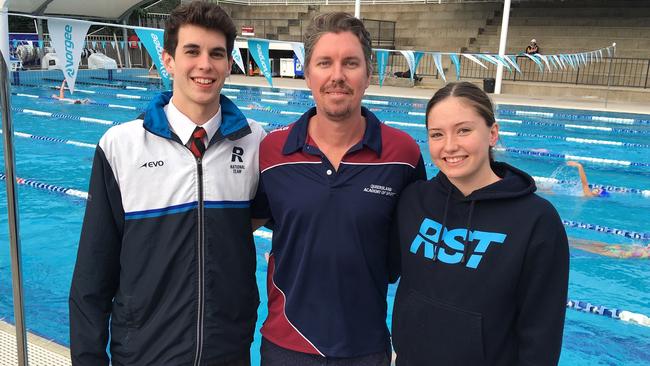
x,y
53,139
574,117
608,230
568,126
613,313
147,82
48,187
608,188
65,116
578,140
95,92
92,83
89,103
572,157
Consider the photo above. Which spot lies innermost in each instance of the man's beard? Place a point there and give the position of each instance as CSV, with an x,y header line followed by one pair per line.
x,y
339,113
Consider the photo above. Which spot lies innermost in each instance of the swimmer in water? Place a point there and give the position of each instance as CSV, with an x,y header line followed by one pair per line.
x,y
61,97
588,192
632,251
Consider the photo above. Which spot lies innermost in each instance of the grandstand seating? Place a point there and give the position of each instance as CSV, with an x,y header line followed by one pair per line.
x,y
558,26
570,26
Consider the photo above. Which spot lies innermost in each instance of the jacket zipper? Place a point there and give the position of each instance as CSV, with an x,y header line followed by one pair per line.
x,y
201,269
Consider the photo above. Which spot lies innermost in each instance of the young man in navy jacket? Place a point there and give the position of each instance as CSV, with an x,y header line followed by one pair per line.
x,y
166,259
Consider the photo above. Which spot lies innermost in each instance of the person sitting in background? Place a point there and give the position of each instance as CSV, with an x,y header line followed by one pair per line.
x,y
62,97
586,190
407,74
532,47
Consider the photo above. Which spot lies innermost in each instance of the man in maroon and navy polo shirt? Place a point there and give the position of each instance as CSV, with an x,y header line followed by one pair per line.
x,y
329,184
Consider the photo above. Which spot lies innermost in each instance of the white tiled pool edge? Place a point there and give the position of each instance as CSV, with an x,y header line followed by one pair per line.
x,y
41,352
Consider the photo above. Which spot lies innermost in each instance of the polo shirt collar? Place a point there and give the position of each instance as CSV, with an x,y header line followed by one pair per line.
x,y
298,135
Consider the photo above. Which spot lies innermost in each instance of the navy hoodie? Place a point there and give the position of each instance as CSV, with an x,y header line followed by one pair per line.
x,y
484,277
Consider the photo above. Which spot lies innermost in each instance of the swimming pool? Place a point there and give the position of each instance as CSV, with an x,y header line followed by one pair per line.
x,y
56,148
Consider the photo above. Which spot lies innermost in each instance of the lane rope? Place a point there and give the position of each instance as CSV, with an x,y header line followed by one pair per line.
x,y
65,116
53,139
614,313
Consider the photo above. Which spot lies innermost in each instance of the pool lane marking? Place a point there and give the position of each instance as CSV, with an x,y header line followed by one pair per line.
x,y
405,124
570,157
53,139
538,114
578,140
122,106
581,127
26,95
65,116
570,116
595,128
625,121
91,103
48,187
274,101
624,315
278,94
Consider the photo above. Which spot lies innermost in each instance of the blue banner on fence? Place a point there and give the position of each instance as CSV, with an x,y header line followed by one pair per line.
x,y
382,60
259,49
454,58
153,43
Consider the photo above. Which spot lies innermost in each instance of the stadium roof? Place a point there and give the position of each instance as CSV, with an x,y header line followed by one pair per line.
x,y
103,9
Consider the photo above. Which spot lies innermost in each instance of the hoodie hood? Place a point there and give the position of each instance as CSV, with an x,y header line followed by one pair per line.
x,y
513,183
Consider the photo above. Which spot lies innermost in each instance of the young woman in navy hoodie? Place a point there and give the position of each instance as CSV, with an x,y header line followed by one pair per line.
x,y
484,260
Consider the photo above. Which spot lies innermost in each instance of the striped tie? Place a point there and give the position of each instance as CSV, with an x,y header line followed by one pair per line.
x,y
196,142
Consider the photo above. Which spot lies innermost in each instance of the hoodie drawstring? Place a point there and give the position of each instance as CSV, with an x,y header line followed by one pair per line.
x,y
466,243
437,246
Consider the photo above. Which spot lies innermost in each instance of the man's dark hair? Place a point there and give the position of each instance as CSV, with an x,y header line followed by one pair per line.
x,y
336,23
203,14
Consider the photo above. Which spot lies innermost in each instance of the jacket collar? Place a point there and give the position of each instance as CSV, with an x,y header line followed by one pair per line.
x,y
233,124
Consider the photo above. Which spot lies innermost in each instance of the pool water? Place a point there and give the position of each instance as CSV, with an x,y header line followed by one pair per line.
x,y
50,222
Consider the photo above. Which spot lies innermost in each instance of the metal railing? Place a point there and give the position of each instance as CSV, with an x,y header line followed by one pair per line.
x,y
382,32
618,72
624,72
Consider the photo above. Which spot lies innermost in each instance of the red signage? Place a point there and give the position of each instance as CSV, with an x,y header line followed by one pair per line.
x,y
247,30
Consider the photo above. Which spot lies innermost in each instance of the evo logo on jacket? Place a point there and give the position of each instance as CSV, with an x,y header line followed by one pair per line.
x,y
432,232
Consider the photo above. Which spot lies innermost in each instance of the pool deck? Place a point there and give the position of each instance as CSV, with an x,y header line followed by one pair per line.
x,y
579,102
40,351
